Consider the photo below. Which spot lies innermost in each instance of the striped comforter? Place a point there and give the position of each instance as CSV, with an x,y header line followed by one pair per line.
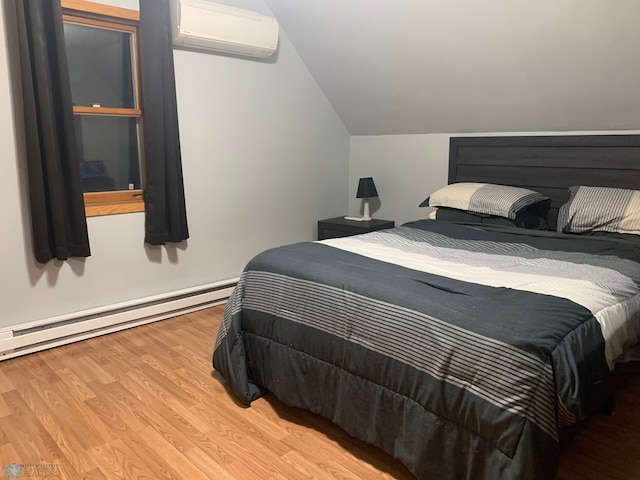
x,y
436,340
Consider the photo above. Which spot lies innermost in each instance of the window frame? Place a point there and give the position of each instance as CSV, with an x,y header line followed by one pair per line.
x,y
105,16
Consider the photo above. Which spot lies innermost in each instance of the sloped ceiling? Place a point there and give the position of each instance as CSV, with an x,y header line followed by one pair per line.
x,y
459,66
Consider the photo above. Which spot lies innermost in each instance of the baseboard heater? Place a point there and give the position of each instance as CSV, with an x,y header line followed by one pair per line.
x,y
53,332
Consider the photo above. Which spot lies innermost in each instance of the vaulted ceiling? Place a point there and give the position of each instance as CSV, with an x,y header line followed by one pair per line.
x,y
427,66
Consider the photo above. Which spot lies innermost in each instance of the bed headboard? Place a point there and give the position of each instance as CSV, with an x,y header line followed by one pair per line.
x,y
547,164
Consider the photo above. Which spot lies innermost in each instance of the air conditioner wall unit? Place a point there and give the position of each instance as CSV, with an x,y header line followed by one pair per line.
x,y
211,26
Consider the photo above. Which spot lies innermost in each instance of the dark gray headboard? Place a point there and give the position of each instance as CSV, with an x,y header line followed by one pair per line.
x,y
547,164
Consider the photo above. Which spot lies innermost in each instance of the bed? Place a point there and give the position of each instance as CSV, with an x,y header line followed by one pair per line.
x,y
463,349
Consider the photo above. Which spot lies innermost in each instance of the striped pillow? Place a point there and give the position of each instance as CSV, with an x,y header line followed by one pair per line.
x,y
499,200
600,209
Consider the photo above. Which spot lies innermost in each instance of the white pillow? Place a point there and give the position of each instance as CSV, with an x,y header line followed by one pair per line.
x,y
600,209
499,200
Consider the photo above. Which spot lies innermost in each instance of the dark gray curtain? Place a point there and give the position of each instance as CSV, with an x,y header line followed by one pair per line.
x,y
165,211
58,222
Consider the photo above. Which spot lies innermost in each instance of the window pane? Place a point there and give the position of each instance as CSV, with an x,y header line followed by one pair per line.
x,y
100,66
109,153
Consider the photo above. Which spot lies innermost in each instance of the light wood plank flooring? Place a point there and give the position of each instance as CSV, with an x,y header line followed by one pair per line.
x,y
145,404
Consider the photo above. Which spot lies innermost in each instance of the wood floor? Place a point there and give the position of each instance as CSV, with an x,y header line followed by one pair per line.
x,y
145,404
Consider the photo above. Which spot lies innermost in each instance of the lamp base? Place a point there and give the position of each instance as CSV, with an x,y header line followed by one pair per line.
x,y
366,215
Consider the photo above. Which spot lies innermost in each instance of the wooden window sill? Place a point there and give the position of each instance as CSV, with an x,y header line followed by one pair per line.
x,y
113,203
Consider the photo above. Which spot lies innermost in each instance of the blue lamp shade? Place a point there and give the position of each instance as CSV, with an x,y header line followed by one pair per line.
x,y
366,188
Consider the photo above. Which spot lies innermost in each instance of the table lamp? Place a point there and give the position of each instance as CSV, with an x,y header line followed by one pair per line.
x,y
366,190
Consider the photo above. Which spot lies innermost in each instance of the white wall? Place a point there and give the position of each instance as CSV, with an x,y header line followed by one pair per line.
x,y
408,168
405,169
264,157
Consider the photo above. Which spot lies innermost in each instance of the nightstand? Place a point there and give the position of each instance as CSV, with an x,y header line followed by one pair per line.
x,y
339,227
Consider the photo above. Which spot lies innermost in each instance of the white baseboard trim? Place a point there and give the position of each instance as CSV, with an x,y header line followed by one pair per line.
x,y
61,330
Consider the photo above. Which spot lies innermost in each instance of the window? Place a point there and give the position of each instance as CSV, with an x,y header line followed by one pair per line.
x,y
102,54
